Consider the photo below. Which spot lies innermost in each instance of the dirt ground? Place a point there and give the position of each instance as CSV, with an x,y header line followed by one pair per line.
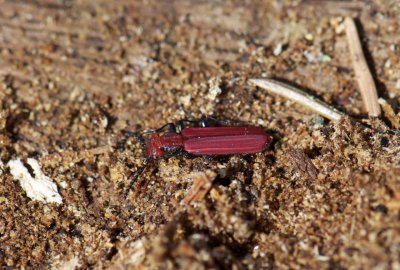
x,y
75,74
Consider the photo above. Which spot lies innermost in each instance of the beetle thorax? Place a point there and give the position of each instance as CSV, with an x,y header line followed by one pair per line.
x,y
161,144
154,146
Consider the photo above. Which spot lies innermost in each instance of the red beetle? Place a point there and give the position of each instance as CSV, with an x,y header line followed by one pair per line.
x,y
204,140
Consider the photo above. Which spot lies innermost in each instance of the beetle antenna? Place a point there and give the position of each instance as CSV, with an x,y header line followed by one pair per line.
x,y
139,138
136,176
220,122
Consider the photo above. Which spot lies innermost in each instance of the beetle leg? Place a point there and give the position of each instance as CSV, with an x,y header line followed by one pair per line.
x,y
181,124
175,152
171,128
136,176
186,154
204,121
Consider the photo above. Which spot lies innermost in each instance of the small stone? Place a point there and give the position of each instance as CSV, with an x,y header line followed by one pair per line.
x,y
309,37
324,58
317,121
278,49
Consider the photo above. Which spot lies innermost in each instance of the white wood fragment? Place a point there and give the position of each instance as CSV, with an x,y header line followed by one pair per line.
x,y
38,187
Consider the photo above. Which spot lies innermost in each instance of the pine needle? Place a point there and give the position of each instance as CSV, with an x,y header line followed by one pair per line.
x,y
298,96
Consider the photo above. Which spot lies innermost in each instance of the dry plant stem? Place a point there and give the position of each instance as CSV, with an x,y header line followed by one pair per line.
x,y
298,96
364,78
334,6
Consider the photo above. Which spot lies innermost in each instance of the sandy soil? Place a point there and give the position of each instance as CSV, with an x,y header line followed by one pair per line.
x,y
74,74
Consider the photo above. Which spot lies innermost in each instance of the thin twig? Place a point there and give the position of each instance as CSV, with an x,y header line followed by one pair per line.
x,y
299,96
364,78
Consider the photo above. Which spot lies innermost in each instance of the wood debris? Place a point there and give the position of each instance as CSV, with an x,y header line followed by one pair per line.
x,y
202,183
302,163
